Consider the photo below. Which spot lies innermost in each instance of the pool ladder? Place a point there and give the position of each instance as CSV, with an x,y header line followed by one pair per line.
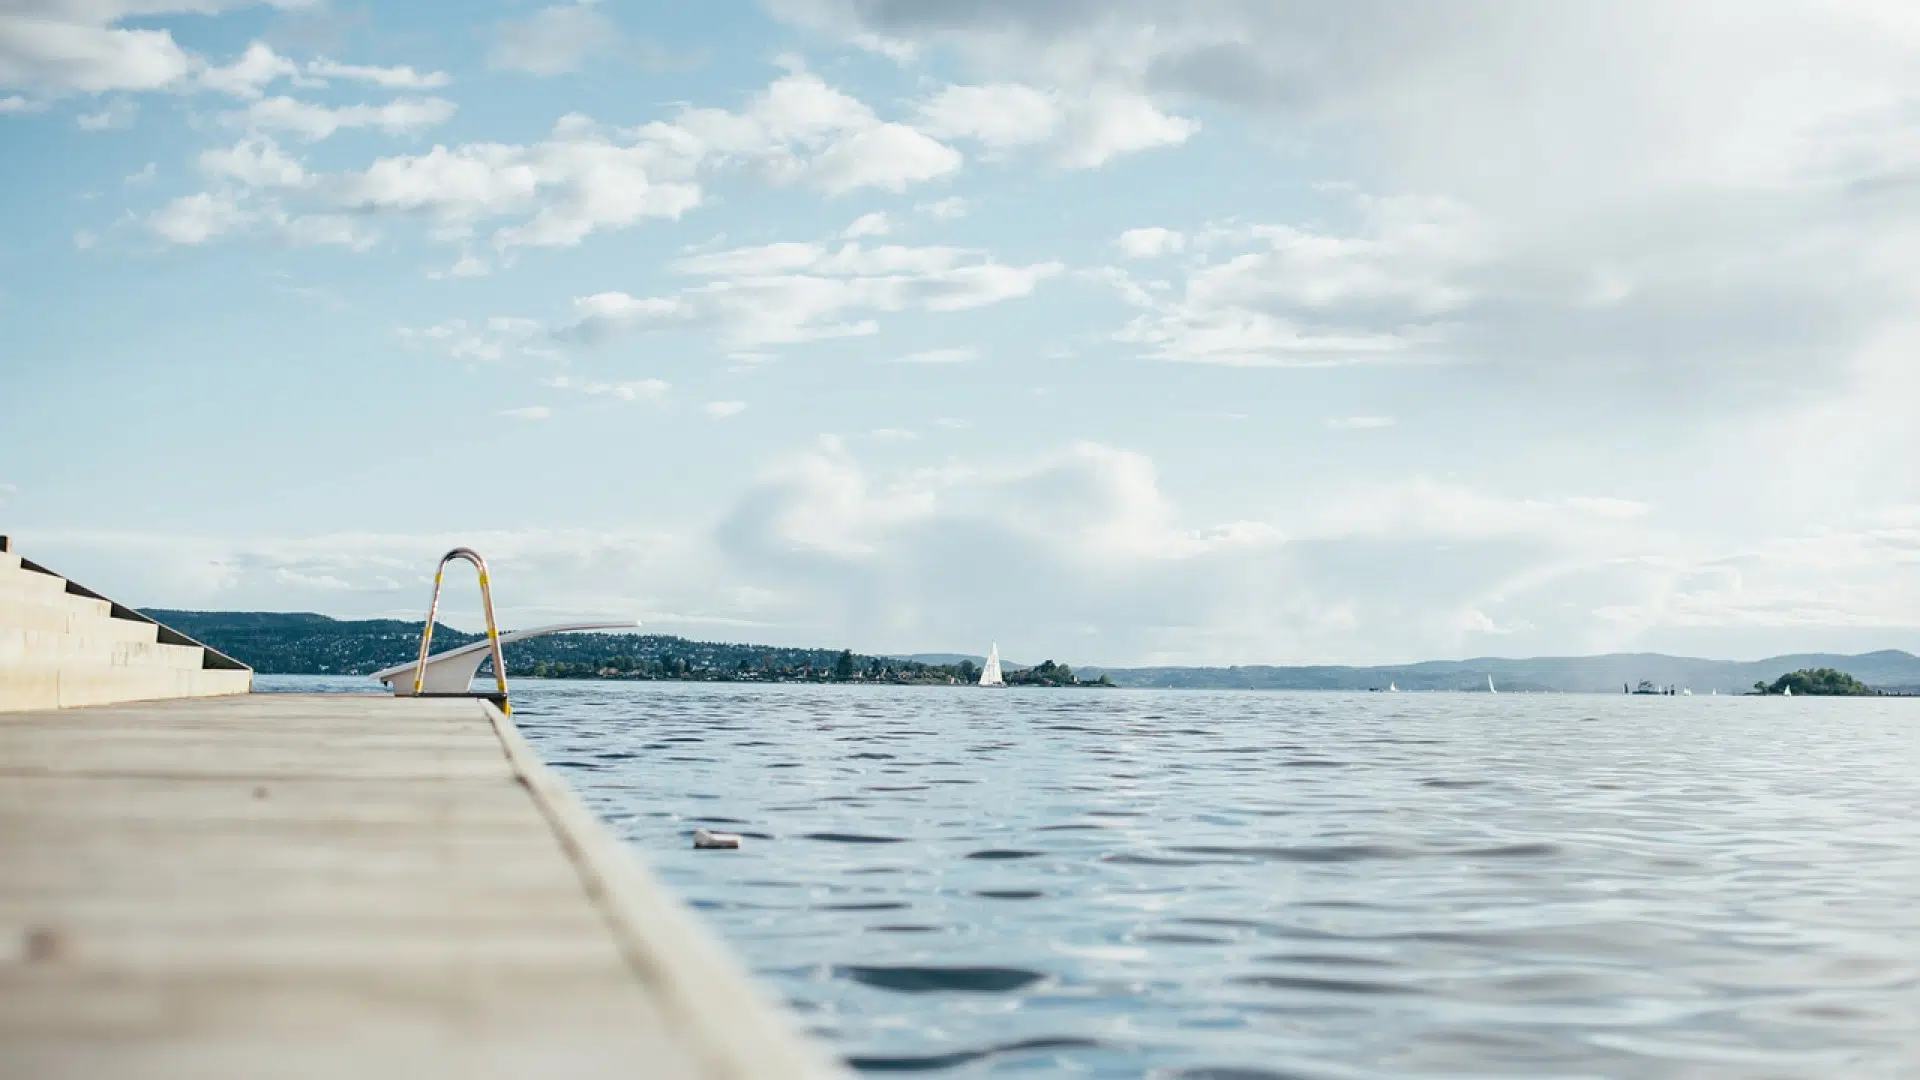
x,y
493,631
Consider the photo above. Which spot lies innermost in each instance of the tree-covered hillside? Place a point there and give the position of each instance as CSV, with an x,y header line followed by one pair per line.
x,y
305,644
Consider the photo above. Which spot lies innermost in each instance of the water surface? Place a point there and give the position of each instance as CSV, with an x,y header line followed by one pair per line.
x,y
1240,885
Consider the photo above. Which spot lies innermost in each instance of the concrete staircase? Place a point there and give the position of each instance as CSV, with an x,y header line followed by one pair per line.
x,y
63,645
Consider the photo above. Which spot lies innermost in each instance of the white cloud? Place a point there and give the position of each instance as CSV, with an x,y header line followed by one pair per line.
x,y
497,339
947,209
721,410
401,77
1360,423
1606,507
778,258
874,224
1076,537
1110,122
117,115
632,390
312,122
554,40
528,412
891,435
15,105
889,156
80,46
195,219
577,182
1150,243
1742,239
1388,289
597,186
789,293
461,185
800,130
315,230
585,179
467,266
999,116
937,356
611,309
255,163
60,47
143,177
1084,129
85,240
1094,563
258,67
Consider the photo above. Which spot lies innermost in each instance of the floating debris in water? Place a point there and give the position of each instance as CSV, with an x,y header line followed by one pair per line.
x,y
705,839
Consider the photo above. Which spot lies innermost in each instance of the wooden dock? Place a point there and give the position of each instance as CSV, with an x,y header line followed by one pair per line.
x,y
269,886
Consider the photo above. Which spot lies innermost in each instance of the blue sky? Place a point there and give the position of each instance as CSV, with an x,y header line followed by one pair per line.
x,y
1235,331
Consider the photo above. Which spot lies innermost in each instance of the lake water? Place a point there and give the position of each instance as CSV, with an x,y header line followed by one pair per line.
x,y
1241,885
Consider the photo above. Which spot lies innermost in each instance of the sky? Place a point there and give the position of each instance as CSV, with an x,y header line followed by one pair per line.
x,y
1118,331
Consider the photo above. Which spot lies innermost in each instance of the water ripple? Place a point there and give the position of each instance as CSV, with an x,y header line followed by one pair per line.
x,y
1218,886
931,1062
933,980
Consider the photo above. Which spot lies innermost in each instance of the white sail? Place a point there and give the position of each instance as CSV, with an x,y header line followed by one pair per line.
x,y
1490,688
990,674
1393,688
1786,691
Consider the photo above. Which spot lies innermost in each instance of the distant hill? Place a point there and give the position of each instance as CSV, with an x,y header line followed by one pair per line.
x,y
1889,669
954,659
975,659
287,643
299,643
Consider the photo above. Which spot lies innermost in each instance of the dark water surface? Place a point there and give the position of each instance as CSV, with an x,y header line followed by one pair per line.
x,y
1241,885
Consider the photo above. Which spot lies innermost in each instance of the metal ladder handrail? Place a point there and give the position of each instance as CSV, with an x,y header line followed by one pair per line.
x,y
493,629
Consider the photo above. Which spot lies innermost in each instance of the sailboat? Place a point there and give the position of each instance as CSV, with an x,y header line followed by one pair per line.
x,y
1393,688
1786,691
990,674
1490,688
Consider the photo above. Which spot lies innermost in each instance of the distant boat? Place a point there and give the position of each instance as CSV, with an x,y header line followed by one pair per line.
x,y
1786,691
990,674
1684,692
1392,689
1490,688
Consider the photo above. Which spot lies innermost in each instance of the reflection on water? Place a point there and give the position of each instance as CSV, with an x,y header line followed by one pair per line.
x,y
1233,885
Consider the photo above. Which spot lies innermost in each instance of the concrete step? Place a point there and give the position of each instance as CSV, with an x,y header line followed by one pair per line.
x,y
16,581
65,686
42,588
62,617
84,606
26,647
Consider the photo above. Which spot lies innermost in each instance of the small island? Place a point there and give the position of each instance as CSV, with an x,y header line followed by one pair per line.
x,y
1816,682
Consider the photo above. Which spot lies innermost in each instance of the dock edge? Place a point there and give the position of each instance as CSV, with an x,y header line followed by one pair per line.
x,y
737,1031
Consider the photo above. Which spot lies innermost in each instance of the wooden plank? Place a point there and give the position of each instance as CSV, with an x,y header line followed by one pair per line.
x,y
280,886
